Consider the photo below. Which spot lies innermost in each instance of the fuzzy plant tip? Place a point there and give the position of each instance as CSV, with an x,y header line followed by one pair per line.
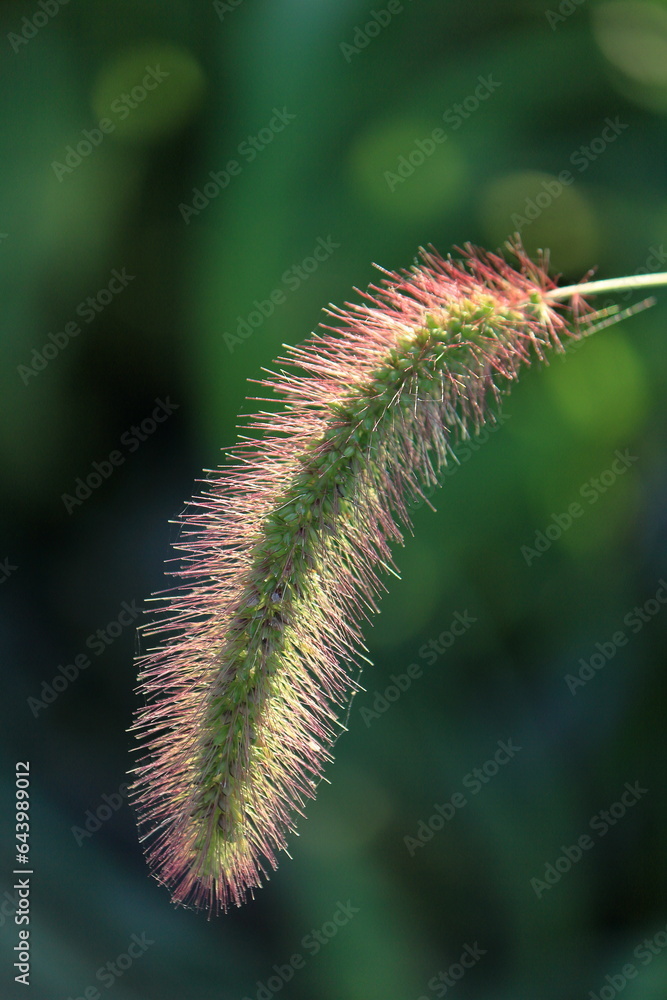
x,y
281,555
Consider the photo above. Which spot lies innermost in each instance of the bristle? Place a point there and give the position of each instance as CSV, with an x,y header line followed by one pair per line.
x,y
282,550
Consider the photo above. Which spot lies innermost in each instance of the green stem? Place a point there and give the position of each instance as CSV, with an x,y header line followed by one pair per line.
x,y
608,285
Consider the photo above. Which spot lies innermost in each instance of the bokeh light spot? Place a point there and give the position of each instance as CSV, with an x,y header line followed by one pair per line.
x,y
148,92
601,390
546,213
402,171
633,38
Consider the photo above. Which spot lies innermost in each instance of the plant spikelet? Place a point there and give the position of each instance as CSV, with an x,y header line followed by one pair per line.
x,y
260,640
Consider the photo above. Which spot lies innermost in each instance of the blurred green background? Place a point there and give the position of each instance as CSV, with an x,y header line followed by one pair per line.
x,y
117,120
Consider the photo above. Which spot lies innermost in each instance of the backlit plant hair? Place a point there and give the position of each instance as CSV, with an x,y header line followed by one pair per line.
x,y
260,639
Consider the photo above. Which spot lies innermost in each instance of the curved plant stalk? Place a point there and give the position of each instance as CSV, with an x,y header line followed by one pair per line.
x,y
282,552
608,285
